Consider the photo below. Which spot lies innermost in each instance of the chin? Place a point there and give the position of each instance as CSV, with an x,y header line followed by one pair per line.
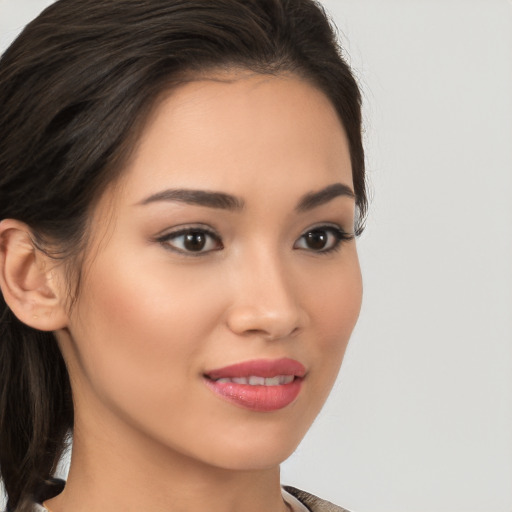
x,y
252,459
251,448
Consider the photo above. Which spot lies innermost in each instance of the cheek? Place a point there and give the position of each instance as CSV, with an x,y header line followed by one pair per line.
x,y
148,300
339,309
334,310
336,294
139,328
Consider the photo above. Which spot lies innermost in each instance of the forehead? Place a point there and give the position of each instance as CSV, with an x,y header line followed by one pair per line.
x,y
239,133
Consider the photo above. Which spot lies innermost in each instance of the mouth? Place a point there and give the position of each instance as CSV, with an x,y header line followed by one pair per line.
x,y
255,380
262,385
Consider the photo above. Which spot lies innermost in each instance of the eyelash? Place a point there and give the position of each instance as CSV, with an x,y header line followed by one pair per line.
x,y
340,237
200,230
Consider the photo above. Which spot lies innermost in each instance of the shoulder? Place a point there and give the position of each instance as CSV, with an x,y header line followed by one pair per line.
x,y
312,502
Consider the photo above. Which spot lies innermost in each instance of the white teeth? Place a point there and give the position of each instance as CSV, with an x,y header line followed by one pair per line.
x,y
255,380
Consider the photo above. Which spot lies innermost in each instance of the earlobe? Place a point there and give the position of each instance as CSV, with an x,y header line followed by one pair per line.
x,y
29,279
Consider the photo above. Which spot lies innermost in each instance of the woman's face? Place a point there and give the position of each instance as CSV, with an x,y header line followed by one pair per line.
x,y
225,252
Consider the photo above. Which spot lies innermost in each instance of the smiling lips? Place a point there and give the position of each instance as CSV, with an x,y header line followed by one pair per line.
x,y
261,385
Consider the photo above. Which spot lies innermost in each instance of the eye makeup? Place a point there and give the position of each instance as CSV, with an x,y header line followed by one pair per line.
x,y
200,240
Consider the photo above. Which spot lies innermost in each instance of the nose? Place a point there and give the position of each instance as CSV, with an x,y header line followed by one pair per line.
x,y
265,302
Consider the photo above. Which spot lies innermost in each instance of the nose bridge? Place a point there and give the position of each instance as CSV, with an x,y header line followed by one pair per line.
x,y
264,301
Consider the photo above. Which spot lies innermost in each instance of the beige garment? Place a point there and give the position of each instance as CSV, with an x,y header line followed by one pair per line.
x,y
311,502
293,503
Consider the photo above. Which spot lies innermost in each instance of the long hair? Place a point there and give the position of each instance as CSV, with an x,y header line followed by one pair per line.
x,y
75,89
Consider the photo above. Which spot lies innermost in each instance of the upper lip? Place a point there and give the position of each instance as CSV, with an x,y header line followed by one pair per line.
x,y
259,367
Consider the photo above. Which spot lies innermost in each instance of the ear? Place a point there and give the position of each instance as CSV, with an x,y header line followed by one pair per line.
x,y
31,282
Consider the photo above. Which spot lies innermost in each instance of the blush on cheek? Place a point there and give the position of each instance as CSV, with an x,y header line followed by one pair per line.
x,y
143,320
341,305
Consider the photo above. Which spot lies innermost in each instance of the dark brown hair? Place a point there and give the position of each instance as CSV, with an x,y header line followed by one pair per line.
x,y
75,89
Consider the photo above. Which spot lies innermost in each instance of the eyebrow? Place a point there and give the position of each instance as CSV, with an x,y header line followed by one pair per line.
x,y
197,197
315,199
224,201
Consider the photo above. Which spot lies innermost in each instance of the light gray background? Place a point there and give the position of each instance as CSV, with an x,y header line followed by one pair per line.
x,y
421,417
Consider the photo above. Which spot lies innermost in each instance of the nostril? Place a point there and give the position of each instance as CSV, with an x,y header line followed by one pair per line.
x,y
269,335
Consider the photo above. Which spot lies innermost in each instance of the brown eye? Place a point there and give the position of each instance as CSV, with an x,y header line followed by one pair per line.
x,y
316,240
322,239
188,241
194,241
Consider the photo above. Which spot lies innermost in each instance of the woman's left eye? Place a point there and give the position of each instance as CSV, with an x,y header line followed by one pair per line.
x,y
322,239
192,241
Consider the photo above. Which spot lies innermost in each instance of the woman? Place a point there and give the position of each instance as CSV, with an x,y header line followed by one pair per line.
x,y
182,182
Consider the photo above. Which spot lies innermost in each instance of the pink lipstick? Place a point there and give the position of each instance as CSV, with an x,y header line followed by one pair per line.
x,y
261,385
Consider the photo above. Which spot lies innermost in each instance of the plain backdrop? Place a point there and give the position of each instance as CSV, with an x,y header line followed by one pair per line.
x,y
421,417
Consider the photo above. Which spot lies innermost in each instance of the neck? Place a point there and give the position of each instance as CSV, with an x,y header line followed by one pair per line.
x,y
129,473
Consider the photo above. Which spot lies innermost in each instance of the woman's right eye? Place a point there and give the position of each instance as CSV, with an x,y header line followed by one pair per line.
x,y
193,241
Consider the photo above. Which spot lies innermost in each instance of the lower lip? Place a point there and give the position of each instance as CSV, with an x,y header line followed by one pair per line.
x,y
257,398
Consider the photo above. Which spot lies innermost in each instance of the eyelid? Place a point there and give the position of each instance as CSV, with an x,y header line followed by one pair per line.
x,y
165,236
180,228
326,225
342,236
329,226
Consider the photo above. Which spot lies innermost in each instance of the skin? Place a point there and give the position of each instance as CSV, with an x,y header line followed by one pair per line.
x,y
151,318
